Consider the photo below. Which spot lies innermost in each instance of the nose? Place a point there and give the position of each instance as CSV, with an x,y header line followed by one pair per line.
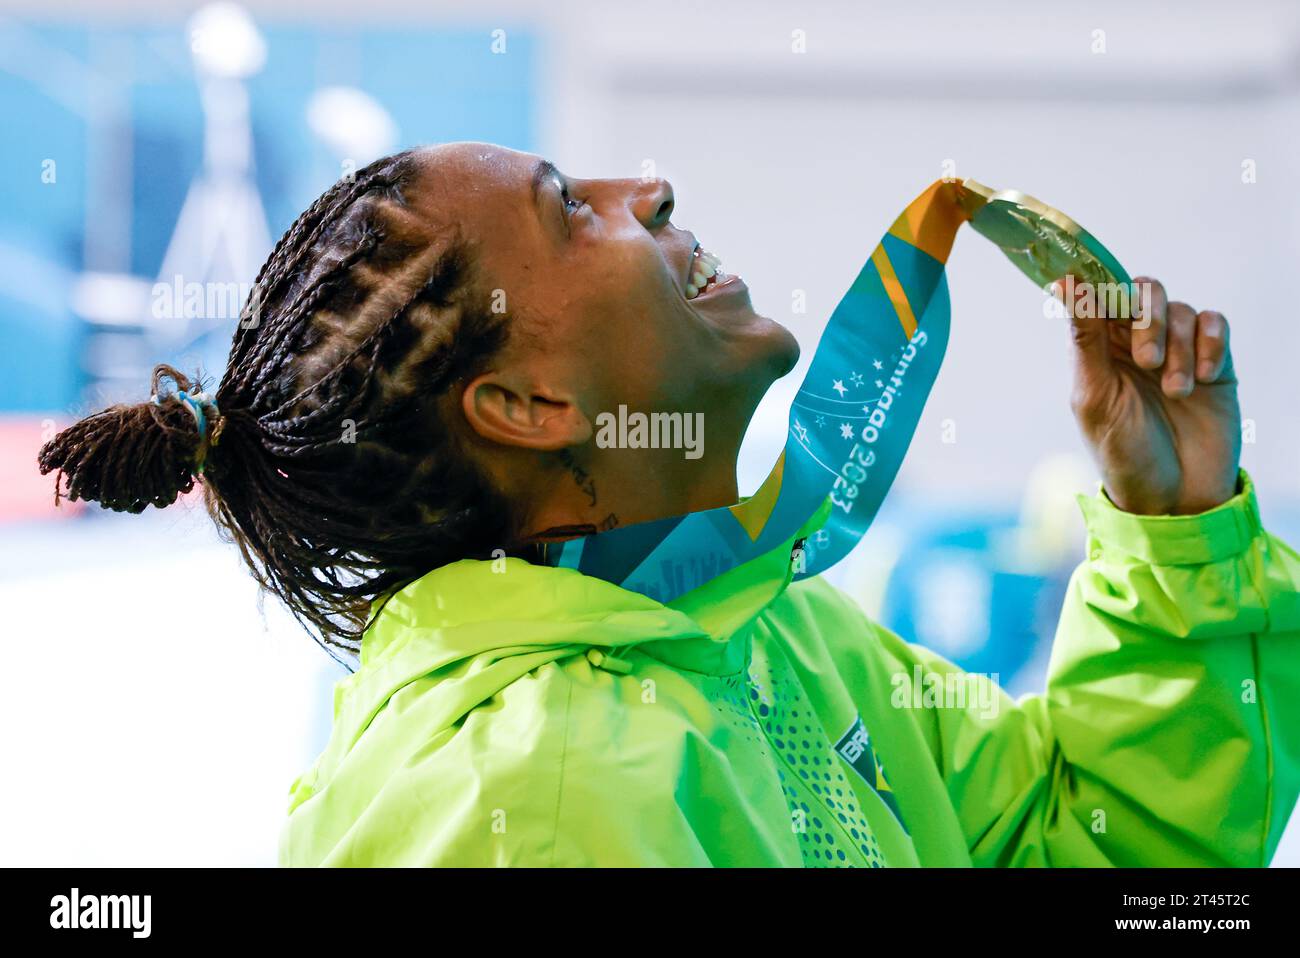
x,y
652,203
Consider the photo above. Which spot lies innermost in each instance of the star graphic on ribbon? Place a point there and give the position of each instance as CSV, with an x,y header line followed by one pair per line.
x,y
856,379
846,430
801,431
839,387
878,364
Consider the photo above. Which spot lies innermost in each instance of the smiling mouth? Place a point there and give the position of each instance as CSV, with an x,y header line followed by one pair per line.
x,y
706,272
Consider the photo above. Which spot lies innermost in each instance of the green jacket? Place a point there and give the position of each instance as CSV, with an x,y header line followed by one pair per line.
x,y
508,714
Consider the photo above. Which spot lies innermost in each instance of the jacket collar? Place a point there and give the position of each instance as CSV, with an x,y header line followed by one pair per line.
x,y
473,607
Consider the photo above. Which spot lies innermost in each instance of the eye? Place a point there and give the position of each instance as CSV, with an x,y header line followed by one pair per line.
x,y
571,203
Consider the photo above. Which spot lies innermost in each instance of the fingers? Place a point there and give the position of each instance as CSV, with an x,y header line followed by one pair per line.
x,y
1212,357
1179,374
1176,342
1171,340
1149,326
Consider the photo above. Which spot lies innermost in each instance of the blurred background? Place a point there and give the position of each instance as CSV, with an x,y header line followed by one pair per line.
x,y
154,156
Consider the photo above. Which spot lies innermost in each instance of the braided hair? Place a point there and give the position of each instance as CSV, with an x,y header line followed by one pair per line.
x,y
327,461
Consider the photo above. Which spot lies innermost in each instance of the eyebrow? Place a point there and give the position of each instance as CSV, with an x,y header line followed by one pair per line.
x,y
542,171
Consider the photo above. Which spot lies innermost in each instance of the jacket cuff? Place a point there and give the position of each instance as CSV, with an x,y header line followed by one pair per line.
x,y
1221,533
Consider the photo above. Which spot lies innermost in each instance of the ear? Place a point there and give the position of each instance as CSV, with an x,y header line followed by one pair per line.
x,y
506,409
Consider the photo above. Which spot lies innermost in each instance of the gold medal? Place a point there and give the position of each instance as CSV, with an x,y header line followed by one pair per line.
x,y
1045,244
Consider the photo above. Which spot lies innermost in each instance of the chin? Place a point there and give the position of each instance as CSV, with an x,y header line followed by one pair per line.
x,y
752,347
782,349
771,353
790,352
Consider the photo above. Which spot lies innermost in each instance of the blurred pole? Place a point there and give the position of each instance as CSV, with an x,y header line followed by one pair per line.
x,y
221,236
109,156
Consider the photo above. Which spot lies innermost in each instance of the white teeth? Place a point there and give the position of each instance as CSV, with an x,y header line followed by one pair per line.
x,y
705,267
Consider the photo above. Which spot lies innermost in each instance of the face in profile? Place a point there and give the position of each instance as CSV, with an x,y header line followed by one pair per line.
x,y
609,301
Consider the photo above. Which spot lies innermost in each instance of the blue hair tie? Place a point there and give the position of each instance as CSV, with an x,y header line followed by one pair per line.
x,y
196,404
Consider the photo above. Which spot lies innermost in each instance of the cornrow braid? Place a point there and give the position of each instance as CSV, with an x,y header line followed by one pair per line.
x,y
288,255
330,465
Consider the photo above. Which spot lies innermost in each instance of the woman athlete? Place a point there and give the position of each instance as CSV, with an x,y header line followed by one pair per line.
x,y
406,423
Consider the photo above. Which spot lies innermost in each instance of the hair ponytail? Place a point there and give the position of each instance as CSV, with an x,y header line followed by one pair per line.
x,y
131,456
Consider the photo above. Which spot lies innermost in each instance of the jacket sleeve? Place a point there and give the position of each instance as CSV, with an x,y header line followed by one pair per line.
x,y
1169,731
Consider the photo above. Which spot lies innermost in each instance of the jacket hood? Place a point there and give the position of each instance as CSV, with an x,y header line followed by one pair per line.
x,y
475,626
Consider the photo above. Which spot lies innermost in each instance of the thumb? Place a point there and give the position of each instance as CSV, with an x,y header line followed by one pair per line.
x,y
1088,327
